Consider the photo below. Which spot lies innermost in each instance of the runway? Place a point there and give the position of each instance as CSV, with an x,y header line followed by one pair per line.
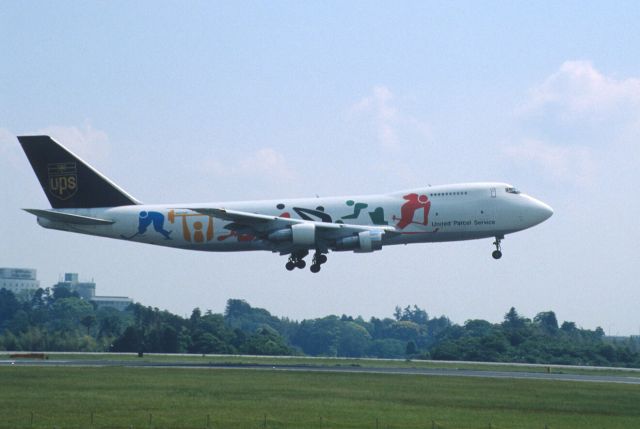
x,y
523,375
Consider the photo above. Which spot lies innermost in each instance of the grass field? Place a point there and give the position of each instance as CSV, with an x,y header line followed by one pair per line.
x,y
114,397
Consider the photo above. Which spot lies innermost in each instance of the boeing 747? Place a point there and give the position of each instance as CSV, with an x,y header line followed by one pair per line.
x,y
84,201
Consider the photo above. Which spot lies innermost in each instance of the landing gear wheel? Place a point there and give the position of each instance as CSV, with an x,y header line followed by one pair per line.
x,y
497,254
315,268
321,259
290,266
301,264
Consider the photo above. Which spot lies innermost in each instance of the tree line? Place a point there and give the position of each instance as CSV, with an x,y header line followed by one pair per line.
x,y
59,320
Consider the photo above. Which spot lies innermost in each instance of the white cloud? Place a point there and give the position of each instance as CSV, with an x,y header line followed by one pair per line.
x,y
578,89
575,164
379,104
85,141
265,163
578,124
388,120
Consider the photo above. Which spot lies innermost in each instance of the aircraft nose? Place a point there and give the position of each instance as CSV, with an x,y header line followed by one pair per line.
x,y
539,211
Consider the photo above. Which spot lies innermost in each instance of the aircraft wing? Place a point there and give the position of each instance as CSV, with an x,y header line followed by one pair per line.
x,y
261,224
62,217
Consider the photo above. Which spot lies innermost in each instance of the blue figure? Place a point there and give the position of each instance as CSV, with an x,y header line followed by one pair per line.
x,y
147,218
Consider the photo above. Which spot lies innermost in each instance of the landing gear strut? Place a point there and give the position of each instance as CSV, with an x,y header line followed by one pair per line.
x,y
296,261
497,254
318,260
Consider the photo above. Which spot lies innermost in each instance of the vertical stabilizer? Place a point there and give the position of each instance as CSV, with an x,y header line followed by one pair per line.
x,y
67,181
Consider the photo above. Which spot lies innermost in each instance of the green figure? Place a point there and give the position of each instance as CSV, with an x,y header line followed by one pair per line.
x,y
358,207
377,216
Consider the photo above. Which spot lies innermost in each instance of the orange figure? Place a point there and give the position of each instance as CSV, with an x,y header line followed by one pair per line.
x,y
198,235
186,234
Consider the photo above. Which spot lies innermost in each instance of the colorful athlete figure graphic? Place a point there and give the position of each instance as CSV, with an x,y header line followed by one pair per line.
x,y
240,237
308,214
250,237
198,235
145,219
377,216
408,210
357,208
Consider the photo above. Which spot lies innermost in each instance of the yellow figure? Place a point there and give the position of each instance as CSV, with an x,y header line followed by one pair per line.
x,y
198,235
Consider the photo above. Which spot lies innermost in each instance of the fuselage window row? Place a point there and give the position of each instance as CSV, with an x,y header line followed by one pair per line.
x,y
447,194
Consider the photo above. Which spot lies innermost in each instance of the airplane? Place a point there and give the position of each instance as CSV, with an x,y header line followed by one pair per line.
x,y
84,201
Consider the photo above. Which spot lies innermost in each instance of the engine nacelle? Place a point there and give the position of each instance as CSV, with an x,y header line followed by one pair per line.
x,y
301,234
364,242
281,235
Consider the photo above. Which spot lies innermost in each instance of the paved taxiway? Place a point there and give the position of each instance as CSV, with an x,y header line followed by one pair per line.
x,y
339,369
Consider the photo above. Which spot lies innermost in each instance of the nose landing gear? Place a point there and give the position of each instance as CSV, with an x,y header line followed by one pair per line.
x,y
497,254
318,260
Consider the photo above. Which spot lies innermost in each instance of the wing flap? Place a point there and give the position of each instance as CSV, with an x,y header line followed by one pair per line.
x,y
263,223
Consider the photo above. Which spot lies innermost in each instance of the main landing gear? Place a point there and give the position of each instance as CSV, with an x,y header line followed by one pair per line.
x,y
497,254
296,260
318,260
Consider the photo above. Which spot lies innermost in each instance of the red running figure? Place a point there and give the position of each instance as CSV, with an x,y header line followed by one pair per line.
x,y
408,210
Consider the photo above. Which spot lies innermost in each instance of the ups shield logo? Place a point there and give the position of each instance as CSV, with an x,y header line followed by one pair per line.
x,y
63,180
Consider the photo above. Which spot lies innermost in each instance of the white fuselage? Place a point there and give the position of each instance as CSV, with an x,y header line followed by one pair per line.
x,y
430,214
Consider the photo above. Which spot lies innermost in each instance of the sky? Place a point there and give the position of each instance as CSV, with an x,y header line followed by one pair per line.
x,y
227,101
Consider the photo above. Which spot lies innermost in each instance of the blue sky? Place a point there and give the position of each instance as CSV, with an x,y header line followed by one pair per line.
x,y
228,101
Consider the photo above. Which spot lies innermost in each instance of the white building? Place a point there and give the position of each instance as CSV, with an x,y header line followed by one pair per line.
x,y
21,281
118,302
87,291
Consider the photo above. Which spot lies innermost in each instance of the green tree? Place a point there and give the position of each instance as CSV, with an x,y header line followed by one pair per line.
x,y
387,349
569,327
9,305
62,292
318,337
88,321
478,328
266,341
512,320
404,330
353,340
411,349
129,341
111,322
547,321
67,313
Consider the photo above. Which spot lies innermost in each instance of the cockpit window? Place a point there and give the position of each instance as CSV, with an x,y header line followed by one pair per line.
x,y
512,190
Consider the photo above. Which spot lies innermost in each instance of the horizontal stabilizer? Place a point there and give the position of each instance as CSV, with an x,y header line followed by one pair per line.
x,y
68,217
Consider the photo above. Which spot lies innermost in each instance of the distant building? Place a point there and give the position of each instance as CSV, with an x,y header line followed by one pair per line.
x,y
118,302
21,281
87,291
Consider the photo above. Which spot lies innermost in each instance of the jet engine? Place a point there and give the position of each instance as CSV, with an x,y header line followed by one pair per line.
x,y
364,242
301,234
